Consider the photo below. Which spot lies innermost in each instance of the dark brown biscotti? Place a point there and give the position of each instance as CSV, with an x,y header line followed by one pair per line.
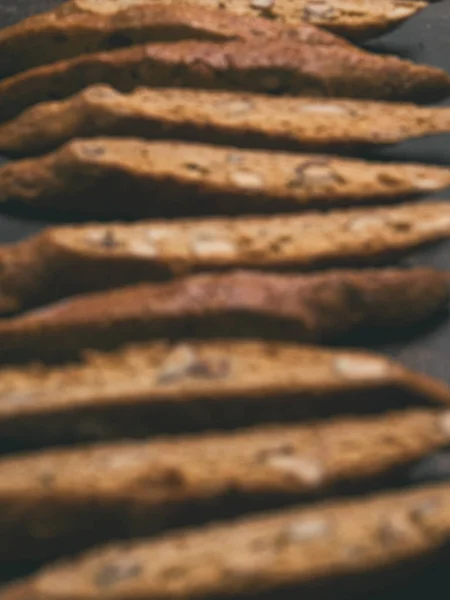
x,y
244,120
157,388
65,33
50,500
131,177
361,538
313,307
268,66
63,261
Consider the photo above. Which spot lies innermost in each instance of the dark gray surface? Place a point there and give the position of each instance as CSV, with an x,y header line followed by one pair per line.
x,y
424,38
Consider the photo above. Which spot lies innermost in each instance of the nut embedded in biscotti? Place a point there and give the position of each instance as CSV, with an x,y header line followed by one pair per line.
x,y
207,244
355,367
305,530
247,180
115,573
184,363
319,9
307,470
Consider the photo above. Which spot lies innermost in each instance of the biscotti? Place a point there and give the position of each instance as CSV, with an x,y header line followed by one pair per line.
x,y
313,307
85,26
269,66
354,19
363,538
65,33
245,120
63,261
157,388
131,177
49,500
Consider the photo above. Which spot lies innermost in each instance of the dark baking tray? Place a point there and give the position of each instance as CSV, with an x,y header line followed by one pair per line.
x,y
424,38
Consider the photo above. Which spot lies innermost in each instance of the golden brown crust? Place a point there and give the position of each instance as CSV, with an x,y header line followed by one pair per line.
x,y
238,119
131,177
156,388
273,66
50,499
63,261
58,35
314,307
358,538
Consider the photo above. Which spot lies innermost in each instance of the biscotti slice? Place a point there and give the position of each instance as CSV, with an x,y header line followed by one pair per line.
x,y
156,388
63,261
50,499
65,33
245,120
355,19
268,66
361,539
131,177
313,307
85,26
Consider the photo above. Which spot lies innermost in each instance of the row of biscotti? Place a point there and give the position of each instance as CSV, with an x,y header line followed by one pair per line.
x,y
331,548
83,26
51,499
131,177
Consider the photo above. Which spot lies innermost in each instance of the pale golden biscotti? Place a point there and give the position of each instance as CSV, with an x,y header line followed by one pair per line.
x,y
66,33
311,307
355,19
50,499
227,118
63,261
362,539
158,388
130,177
269,66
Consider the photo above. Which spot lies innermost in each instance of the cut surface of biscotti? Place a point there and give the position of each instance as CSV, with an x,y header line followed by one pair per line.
x,y
364,538
50,499
308,307
135,178
238,119
272,66
157,388
63,261
62,33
